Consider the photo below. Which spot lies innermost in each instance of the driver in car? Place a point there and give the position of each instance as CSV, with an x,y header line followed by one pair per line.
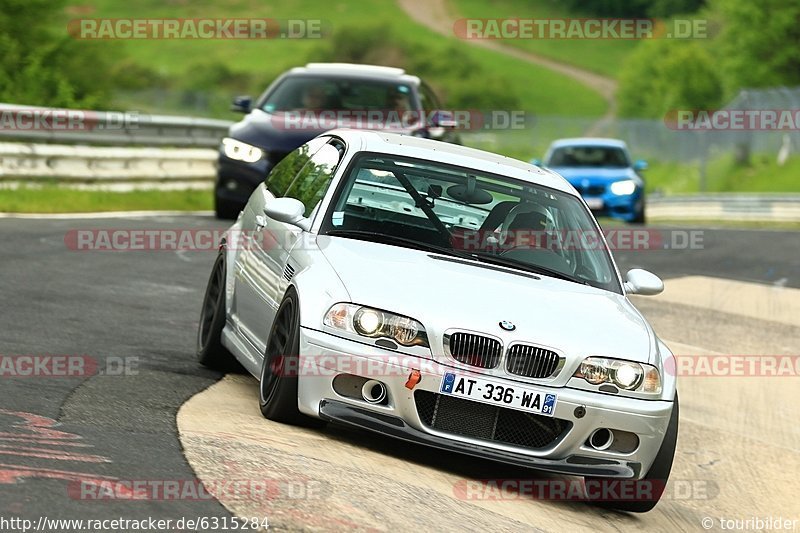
x,y
313,98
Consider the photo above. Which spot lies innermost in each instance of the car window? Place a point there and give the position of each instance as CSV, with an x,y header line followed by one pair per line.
x,y
485,215
318,93
284,173
428,99
589,156
312,181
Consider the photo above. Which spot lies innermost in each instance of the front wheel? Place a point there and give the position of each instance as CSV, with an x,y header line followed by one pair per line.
x,y
210,351
278,384
654,483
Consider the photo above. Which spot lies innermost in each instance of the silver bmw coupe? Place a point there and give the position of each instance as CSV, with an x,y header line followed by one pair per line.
x,y
449,297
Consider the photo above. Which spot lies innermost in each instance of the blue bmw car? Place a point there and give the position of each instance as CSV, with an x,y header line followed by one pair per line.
x,y
603,173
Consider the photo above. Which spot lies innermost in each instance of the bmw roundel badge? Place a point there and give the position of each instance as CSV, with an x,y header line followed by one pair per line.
x,y
508,326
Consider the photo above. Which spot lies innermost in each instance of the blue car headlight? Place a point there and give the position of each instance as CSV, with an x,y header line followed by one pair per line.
x,y
624,187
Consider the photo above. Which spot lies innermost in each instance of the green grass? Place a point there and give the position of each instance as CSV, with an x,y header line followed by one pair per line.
x,y
538,90
530,142
604,56
744,224
519,144
723,175
54,199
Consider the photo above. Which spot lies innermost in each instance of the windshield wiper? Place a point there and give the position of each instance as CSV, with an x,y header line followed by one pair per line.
x,y
394,239
530,267
478,257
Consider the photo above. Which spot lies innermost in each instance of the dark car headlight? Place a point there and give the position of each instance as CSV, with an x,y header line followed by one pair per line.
x,y
374,323
239,151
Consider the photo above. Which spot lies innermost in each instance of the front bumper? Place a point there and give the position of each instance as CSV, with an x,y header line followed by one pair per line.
x,y
324,356
626,207
393,426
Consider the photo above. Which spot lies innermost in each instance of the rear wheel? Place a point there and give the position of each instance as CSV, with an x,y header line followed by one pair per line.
x,y
278,385
210,351
654,483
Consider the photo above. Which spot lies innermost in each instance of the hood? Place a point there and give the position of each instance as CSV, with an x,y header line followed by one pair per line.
x,y
281,132
576,320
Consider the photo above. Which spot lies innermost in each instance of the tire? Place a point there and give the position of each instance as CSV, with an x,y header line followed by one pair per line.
x,y
658,473
639,217
277,388
210,351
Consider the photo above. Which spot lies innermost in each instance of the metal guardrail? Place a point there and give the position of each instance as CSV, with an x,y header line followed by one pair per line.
x,y
106,146
132,147
766,207
73,126
33,162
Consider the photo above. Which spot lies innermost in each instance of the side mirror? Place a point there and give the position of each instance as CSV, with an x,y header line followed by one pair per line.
x,y
443,119
537,162
643,282
241,104
289,211
639,165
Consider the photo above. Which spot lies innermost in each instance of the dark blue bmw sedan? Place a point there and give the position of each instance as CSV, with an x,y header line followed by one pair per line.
x,y
309,100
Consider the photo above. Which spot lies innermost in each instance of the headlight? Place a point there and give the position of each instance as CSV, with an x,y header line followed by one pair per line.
x,y
623,187
367,321
374,323
241,151
626,375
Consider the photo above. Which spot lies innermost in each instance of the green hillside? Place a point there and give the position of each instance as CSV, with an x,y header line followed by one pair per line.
x,y
466,76
603,56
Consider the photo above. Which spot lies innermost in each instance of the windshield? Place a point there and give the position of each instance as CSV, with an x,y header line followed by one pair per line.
x,y
471,214
589,156
317,93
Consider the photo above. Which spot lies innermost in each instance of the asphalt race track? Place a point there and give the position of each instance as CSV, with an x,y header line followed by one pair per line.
x,y
141,409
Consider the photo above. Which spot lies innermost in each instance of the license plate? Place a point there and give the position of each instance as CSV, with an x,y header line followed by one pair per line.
x,y
487,391
594,203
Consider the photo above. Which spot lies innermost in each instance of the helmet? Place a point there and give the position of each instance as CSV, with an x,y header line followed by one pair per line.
x,y
525,216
